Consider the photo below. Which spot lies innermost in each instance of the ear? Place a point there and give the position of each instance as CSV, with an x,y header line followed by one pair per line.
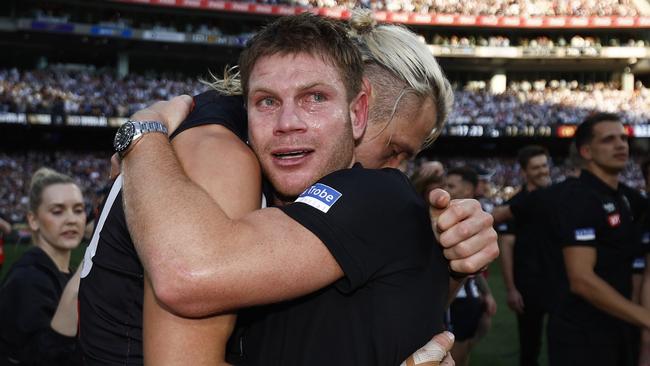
x,y
359,110
585,152
32,222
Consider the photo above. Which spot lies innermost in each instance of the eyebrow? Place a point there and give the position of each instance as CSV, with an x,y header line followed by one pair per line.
x,y
301,88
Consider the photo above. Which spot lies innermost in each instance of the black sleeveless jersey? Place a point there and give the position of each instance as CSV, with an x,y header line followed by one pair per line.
x,y
112,278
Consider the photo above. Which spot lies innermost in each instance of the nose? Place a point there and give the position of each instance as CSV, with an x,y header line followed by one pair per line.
x,y
289,120
73,218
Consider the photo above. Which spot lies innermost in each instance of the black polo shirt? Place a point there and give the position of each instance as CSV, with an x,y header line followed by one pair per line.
x,y
112,283
537,262
598,216
392,296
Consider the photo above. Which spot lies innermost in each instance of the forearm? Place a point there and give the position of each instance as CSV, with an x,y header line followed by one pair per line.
x,y
603,296
167,337
65,319
507,251
165,211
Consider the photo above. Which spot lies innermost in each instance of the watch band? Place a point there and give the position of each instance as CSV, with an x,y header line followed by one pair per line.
x,y
141,128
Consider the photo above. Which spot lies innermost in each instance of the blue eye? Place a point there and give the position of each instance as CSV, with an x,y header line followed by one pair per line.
x,y
318,97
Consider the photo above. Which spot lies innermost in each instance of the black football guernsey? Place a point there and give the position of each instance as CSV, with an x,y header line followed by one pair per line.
x,y
595,215
392,297
112,278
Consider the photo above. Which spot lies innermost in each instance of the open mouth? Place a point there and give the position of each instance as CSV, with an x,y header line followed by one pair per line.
x,y
292,154
70,234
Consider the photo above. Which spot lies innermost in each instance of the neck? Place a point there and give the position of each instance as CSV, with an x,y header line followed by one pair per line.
x,y
61,258
608,177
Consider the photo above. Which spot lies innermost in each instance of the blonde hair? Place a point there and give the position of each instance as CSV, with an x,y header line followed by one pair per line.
x,y
41,179
230,84
398,64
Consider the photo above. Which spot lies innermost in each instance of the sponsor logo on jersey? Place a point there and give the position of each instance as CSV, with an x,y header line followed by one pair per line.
x,y
614,220
585,234
320,196
609,207
639,263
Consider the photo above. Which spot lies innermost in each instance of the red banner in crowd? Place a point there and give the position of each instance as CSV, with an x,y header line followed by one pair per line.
x,y
414,18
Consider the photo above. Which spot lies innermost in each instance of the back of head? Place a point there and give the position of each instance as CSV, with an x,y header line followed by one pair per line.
x,y
528,152
306,33
398,63
424,180
41,179
585,131
466,174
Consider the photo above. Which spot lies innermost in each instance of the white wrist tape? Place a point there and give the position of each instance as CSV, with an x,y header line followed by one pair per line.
x,y
429,355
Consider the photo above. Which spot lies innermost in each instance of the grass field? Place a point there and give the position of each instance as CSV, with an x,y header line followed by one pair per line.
x,y
498,348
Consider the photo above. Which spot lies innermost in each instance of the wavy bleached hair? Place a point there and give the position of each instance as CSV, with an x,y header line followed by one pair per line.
x,y
399,65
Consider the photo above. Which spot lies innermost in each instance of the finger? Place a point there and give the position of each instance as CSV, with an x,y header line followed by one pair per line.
x,y
465,227
472,264
433,352
174,111
484,242
439,199
458,211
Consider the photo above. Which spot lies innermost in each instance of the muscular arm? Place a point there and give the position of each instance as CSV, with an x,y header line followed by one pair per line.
x,y
579,262
234,181
232,263
514,299
506,245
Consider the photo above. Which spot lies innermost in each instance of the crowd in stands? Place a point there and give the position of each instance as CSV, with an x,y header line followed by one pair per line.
x,y
87,91
91,172
545,42
99,93
493,7
545,102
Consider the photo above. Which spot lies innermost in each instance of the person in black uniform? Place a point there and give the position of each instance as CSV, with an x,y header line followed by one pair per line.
x,y
107,339
644,297
591,323
38,312
359,281
525,264
474,300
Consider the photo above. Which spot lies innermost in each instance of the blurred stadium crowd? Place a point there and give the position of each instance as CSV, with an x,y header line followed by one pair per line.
x,y
494,7
91,172
525,103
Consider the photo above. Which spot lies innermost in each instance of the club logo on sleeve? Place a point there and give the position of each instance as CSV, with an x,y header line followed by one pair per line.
x,y
609,207
320,196
585,234
614,220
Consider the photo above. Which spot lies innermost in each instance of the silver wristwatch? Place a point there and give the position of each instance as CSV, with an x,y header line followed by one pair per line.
x,y
131,131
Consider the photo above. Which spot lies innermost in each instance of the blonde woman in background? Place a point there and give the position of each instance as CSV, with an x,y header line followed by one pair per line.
x,y
38,312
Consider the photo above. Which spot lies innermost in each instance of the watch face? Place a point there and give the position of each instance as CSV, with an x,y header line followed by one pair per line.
x,y
123,137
